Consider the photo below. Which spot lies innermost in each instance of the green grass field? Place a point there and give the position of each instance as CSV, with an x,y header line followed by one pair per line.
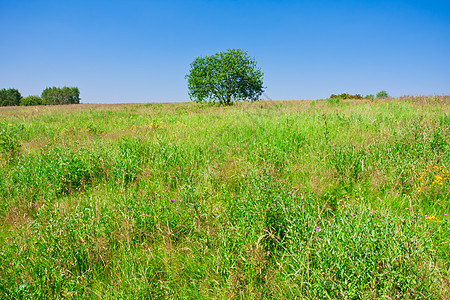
x,y
262,200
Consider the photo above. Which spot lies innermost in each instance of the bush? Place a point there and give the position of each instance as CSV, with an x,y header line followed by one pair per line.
x,y
346,96
9,97
370,96
334,100
31,100
382,94
65,95
225,77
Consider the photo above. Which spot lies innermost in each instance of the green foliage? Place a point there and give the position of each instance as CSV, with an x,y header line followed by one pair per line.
x,y
132,154
334,100
9,97
9,142
31,100
382,94
347,161
370,96
65,95
346,96
225,77
61,170
362,249
71,171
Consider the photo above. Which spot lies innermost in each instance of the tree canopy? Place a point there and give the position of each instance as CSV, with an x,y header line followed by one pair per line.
x,y
382,94
9,97
225,77
65,95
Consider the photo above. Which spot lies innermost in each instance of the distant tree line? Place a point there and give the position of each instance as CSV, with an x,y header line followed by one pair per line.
x,y
49,96
380,95
347,96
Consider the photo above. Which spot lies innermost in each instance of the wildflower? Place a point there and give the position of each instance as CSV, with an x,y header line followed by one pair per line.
x,y
426,216
445,214
318,229
9,124
173,200
432,218
438,180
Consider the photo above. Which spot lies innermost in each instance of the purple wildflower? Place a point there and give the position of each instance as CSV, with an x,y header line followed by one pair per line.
x,y
318,228
173,200
445,214
426,216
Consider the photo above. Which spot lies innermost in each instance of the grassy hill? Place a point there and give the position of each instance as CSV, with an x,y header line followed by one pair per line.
x,y
277,199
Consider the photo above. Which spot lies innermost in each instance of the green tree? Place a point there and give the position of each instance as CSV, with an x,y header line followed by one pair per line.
x,y
31,100
65,95
9,97
225,77
382,94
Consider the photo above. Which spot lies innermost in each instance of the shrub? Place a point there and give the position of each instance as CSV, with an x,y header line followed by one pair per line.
x,y
31,100
370,96
334,100
346,96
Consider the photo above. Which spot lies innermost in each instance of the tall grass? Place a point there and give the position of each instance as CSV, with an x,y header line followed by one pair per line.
x,y
284,199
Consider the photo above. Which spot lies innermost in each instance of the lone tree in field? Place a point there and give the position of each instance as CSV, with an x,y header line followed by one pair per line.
x,y
225,77
382,94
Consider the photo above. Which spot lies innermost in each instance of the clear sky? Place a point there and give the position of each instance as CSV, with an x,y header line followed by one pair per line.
x,y
140,51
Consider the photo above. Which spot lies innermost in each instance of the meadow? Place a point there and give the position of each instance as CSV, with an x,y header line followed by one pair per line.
x,y
321,199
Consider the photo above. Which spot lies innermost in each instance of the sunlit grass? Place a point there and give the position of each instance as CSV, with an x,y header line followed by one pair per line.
x,y
279,199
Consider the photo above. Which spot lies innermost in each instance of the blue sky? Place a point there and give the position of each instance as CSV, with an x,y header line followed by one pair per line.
x,y
139,51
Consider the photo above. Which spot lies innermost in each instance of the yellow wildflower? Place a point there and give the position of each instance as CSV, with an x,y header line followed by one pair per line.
x,y
437,180
432,218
